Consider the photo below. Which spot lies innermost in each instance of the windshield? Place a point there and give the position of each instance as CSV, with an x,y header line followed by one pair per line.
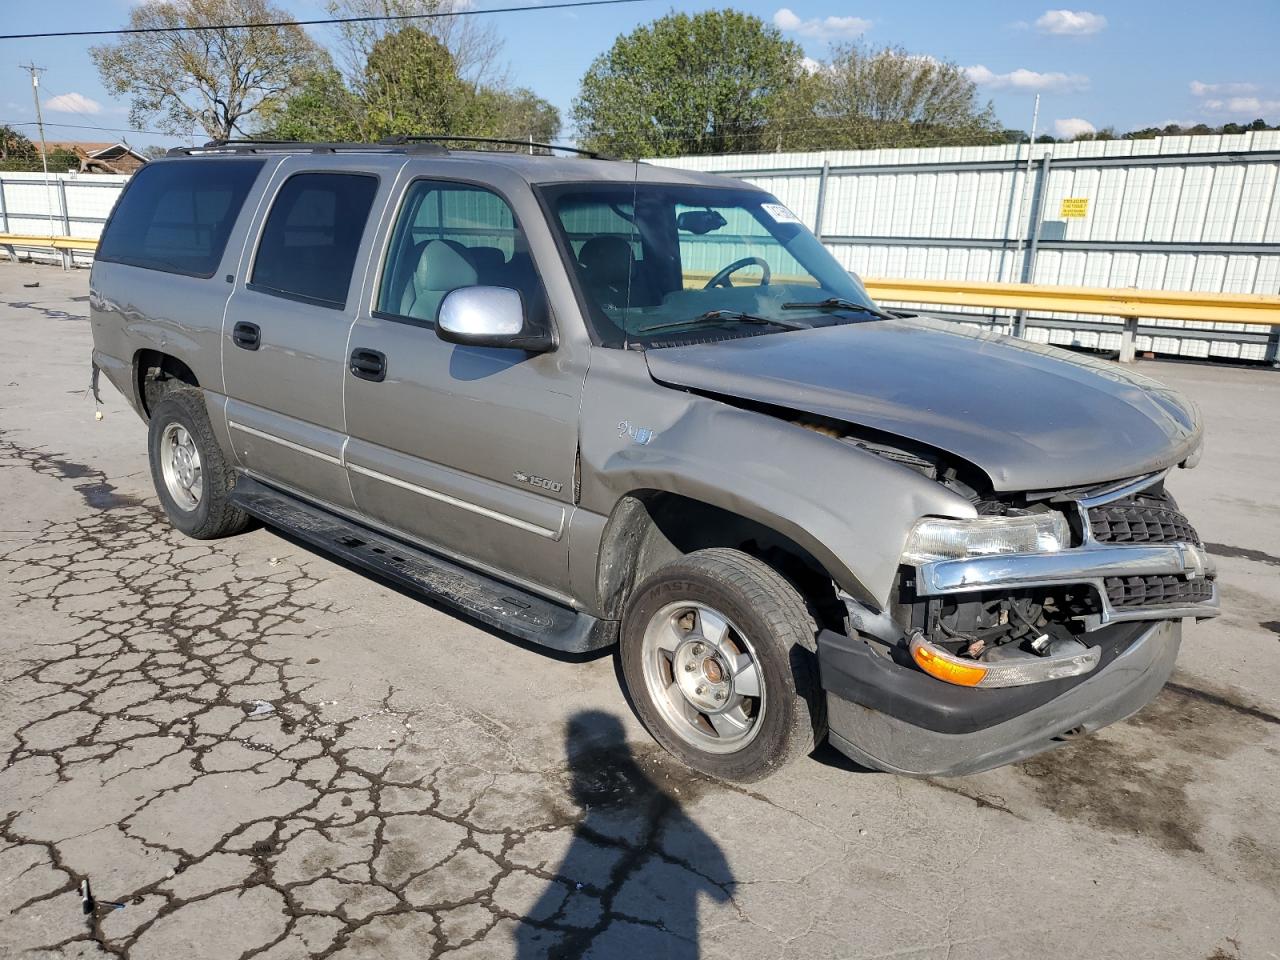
x,y
666,263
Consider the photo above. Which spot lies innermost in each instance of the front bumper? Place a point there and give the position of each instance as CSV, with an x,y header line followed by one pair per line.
x,y
891,716
1092,564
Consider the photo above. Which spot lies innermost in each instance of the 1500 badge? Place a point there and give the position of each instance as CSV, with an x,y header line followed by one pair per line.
x,y
533,481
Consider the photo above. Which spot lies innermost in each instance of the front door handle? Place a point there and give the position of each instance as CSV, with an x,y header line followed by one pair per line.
x,y
246,335
369,364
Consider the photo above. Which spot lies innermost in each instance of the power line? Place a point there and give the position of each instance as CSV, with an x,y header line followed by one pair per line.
x,y
311,23
87,126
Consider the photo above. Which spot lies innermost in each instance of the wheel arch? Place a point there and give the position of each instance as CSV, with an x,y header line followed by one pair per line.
x,y
649,528
154,374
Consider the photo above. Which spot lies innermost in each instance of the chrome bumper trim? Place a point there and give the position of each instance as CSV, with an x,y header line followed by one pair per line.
x,y
1064,567
1089,564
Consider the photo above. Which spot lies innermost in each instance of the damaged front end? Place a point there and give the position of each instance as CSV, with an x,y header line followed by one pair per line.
x,y
1045,616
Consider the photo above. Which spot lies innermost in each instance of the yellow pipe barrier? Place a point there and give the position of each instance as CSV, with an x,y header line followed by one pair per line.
x,y
56,243
1112,301
1255,308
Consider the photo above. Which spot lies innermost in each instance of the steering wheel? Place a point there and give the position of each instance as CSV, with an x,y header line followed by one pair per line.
x,y
721,279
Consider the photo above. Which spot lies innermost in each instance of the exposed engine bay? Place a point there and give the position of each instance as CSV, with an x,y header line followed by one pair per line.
x,y
977,625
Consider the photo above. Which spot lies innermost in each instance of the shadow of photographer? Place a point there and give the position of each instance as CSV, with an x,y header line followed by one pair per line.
x,y
636,867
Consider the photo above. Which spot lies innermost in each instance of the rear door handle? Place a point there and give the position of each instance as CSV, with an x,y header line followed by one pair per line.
x,y
369,364
246,335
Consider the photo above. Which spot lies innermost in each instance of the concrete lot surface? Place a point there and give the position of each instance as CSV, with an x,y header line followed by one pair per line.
x,y
258,752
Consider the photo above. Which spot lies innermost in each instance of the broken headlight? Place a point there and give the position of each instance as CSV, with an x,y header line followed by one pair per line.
x,y
934,538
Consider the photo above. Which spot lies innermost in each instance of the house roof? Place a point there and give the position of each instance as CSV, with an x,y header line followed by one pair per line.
x,y
90,147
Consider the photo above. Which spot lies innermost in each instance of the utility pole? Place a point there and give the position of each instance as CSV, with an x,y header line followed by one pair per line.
x,y
44,147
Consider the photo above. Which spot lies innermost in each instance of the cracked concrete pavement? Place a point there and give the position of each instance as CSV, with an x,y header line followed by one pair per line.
x,y
253,751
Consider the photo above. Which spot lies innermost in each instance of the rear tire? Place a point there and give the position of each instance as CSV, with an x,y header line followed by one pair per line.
x,y
718,652
192,476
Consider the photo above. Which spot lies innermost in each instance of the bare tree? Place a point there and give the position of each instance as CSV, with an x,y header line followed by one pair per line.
x,y
862,97
210,80
473,43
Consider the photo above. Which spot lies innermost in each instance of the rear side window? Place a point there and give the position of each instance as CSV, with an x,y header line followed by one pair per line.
x,y
308,246
176,216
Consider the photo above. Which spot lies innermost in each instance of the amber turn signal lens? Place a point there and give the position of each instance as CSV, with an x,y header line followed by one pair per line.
x,y
947,669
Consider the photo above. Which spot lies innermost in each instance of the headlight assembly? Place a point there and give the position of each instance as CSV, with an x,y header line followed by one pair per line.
x,y
940,539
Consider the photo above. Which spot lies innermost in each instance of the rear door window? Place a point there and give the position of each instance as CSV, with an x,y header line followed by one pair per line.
x,y
176,216
309,243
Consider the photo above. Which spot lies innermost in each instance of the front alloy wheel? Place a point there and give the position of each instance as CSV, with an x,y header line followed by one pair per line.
x,y
701,672
719,657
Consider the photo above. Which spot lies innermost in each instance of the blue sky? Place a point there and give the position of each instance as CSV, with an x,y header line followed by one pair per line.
x,y
1122,63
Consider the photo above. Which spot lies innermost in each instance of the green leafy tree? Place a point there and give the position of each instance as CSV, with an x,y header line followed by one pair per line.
x,y
322,108
60,161
410,85
210,80
473,42
515,115
17,152
687,84
15,146
864,98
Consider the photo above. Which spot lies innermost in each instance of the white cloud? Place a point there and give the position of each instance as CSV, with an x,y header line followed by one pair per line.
x,y
788,21
1071,23
1254,106
810,65
1072,127
72,103
1027,80
1218,89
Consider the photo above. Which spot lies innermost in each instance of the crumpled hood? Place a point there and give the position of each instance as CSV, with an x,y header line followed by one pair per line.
x,y
1031,417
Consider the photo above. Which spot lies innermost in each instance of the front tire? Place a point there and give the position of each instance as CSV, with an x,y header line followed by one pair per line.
x,y
718,653
191,474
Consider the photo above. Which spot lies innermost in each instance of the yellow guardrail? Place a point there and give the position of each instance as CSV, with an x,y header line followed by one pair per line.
x,y
1253,308
57,243
1112,301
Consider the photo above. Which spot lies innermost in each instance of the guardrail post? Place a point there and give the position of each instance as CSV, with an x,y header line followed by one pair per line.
x,y
1033,244
1128,347
68,257
822,198
4,224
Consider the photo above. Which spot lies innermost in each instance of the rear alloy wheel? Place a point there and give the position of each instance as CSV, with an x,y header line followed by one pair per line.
x,y
180,466
192,476
718,654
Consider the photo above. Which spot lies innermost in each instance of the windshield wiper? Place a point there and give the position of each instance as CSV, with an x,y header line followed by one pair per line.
x,y
838,303
712,316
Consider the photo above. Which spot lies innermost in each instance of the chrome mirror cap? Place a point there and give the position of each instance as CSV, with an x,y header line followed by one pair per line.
x,y
482,311
487,317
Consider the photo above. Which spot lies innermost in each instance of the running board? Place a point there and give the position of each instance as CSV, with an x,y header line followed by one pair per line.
x,y
501,605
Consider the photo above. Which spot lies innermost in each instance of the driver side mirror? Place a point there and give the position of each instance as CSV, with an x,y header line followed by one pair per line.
x,y
489,317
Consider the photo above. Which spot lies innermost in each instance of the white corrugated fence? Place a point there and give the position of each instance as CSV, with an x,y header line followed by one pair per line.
x,y
1173,213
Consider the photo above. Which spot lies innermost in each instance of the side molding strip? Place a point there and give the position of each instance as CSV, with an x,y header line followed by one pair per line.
x,y
461,504
327,458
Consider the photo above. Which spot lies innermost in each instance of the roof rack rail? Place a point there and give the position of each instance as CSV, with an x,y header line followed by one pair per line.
x,y
455,138
257,144
401,143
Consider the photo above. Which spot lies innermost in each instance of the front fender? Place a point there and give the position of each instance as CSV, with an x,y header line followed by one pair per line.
x,y
849,508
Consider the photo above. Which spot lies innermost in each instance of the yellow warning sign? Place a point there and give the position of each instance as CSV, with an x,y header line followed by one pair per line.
x,y
1075,207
